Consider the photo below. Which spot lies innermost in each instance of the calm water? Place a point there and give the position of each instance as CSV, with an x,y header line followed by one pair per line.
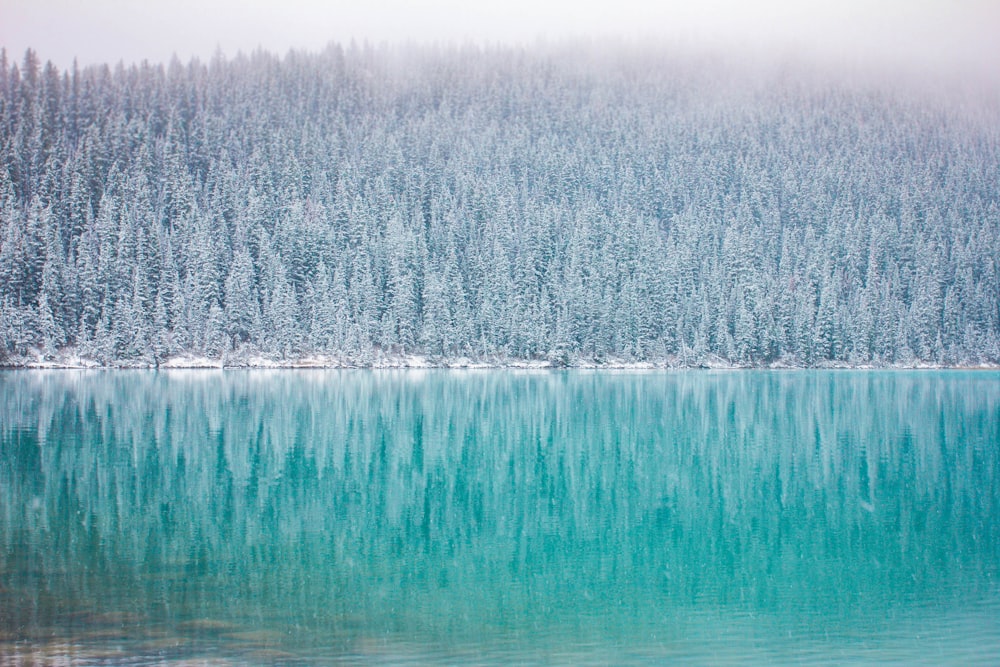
x,y
495,517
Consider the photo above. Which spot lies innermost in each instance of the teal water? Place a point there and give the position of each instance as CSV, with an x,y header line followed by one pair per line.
x,y
498,517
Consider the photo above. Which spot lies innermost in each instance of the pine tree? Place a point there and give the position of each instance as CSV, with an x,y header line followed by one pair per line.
x,y
242,312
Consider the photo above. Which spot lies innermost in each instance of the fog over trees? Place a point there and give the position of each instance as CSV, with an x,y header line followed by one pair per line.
x,y
566,204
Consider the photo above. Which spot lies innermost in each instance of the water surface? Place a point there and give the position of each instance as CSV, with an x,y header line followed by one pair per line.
x,y
491,517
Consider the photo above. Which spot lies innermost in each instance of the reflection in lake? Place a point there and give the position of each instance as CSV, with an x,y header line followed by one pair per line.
x,y
497,516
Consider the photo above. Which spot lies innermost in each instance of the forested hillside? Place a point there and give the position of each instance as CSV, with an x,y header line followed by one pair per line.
x,y
494,204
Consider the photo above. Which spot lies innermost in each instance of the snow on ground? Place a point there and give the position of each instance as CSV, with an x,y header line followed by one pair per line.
x,y
380,359
186,361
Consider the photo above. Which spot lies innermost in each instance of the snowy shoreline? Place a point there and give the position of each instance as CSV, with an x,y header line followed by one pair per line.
x,y
381,360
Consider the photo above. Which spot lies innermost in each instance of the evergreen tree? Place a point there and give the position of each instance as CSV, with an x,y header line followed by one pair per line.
x,y
242,312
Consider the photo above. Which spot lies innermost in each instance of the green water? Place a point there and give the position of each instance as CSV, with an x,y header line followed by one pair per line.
x,y
497,517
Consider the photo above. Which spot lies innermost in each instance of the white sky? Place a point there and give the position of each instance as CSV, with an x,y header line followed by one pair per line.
x,y
957,36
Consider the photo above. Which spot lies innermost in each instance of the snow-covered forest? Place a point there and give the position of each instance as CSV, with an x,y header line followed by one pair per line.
x,y
558,204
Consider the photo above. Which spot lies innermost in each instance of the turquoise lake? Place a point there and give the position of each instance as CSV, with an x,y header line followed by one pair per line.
x,y
499,517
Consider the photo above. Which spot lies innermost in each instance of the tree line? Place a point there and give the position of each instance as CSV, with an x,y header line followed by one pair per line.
x,y
568,204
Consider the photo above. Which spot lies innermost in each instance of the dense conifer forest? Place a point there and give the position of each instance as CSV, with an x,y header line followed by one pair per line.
x,y
573,205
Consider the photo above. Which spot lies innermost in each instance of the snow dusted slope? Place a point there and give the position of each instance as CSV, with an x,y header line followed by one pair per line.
x,y
391,207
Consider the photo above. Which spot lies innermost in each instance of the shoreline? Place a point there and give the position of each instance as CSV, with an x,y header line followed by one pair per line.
x,y
387,361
